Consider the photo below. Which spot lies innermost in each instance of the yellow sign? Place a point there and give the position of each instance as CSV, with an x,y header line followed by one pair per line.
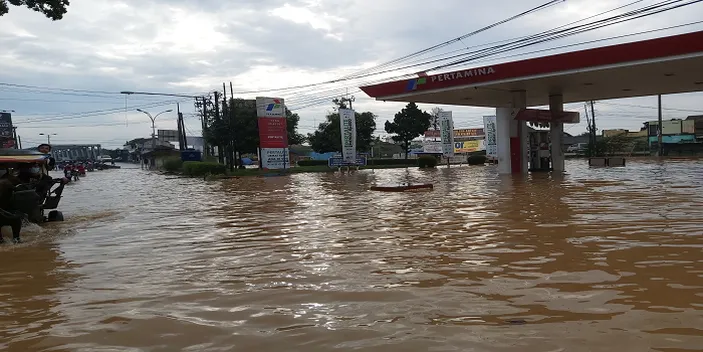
x,y
469,146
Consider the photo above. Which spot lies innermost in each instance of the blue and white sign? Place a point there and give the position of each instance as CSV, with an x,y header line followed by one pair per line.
x,y
338,161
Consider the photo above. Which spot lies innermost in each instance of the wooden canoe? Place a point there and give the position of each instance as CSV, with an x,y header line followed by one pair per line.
x,y
403,188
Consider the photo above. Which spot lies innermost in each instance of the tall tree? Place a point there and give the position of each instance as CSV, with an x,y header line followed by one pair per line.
x,y
52,9
408,124
435,117
328,138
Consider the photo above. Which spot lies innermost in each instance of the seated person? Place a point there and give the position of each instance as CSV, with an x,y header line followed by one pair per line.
x,y
8,217
46,149
32,174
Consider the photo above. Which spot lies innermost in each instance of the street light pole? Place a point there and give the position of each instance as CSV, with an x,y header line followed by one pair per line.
x,y
153,128
48,137
153,124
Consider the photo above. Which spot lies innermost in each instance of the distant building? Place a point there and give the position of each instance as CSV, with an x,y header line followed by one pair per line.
x,y
673,131
697,126
619,132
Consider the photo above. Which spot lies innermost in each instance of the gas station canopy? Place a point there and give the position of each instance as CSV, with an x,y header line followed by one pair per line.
x,y
664,65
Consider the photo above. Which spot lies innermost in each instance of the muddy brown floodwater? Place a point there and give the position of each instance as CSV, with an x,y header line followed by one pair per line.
x,y
596,260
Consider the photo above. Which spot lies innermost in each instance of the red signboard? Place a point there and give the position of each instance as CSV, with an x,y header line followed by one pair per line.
x,y
273,132
432,134
460,133
468,132
536,115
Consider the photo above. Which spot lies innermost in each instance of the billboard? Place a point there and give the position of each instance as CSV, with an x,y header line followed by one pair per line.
x,y
273,132
347,126
688,127
446,129
491,141
167,135
671,127
469,146
432,134
432,147
468,132
7,139
5,125
458,133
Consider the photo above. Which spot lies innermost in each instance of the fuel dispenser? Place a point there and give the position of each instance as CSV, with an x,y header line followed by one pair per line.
x,y
540,153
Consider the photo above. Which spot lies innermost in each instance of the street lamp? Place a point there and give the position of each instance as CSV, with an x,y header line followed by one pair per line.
x,y
153,125
48,136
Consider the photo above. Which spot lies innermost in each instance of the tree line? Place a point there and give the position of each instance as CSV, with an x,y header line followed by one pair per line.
x,y
232,125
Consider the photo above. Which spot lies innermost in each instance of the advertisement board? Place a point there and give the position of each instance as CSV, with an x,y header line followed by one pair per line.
x,y
432,147
446,129
347,125
5,125
491,141
273,132
468,132
671,127
688,127
469,146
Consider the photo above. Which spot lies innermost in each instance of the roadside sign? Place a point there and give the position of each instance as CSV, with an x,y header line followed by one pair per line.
x,y
338,161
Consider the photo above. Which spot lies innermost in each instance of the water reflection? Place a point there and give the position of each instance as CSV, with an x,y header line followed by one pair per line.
x,y
593,260
31,279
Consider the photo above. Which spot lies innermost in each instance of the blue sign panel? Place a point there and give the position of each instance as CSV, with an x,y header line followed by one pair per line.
x,y
191,155
680,138
337,161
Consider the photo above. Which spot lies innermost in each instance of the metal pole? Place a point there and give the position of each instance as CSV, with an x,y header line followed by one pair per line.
x,y
659,127
153,128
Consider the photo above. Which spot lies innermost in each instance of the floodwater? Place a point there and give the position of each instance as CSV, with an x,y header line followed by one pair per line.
x,y
596,260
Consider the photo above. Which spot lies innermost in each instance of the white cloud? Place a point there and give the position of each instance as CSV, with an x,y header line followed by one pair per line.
x,y
192,46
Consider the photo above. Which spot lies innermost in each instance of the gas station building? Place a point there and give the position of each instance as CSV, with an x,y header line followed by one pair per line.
x,y
666,65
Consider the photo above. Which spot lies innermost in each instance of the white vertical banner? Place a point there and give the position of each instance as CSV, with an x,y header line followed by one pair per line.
x,y
446,133
347,126
489,128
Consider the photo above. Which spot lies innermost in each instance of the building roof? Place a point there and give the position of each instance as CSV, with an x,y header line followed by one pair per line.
x,y
657,66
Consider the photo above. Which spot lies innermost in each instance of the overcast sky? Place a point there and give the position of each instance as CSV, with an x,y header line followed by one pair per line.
x,y
64,77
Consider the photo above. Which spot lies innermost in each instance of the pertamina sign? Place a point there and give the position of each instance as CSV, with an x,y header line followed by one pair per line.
x,y
483,71
466,75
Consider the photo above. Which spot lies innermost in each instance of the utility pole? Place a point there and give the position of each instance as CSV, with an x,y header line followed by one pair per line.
x,y
195,97
181,128
201,103
233,130
220,152
14,136
344,100
593,127
660,152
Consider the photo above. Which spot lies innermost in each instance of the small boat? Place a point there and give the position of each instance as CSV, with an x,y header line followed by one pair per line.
x,y
404,188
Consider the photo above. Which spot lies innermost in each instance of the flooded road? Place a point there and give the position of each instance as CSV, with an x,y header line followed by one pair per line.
x,y
596,260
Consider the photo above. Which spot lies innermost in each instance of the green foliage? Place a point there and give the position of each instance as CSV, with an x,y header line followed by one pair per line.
x,y
312,162
173,164
52,9
476,159
408,124
200,168
617,144
135,143
427,161
327,137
